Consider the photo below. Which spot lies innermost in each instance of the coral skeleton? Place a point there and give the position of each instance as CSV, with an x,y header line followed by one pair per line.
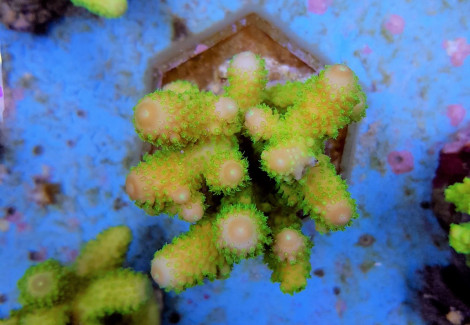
x,y
241,166
90,291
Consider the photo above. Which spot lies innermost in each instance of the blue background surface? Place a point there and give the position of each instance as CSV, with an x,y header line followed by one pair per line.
x,y
72,92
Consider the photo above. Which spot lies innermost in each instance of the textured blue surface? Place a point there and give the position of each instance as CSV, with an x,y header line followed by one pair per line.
x,y
74,90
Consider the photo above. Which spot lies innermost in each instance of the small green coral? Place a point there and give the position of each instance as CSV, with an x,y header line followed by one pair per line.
x,y
242,164
459,194
84,294
459,237
44,285
104,8
240,231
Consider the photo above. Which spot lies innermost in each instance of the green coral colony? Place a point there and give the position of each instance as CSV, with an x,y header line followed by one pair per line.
x,y
459,234
240,166
93,289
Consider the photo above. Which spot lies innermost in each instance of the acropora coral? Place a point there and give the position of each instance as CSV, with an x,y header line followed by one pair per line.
x,y
88,292
241,166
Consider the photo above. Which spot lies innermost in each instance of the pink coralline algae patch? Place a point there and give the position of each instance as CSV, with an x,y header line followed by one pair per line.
x,y
401,161
457,49
1,92
200,48
395,24
366,50
461,139
456,114
318,7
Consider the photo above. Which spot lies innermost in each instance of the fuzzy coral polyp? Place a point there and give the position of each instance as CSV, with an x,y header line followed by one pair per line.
x,y
338,213
162,272
287,160
339,76
246,62
192,211
239,232
231,173
256,122
150,117
138,189
40,284
287,244
226,108
180,195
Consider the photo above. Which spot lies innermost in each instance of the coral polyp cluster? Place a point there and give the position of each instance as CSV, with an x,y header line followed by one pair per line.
x,y
92,290
459,234
459,194
241,166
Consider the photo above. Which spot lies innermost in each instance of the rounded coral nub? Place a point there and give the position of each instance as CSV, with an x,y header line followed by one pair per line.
x,y
40,284
192,211
339,76
255,121
180,195
137,189
239,232
245,62
231,173
149,117
226,108
338,213
162,271
287,160
278,160
287,244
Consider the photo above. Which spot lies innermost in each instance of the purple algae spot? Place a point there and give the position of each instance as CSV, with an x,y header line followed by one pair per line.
x,y
401,161
395,24
456,114
1,92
